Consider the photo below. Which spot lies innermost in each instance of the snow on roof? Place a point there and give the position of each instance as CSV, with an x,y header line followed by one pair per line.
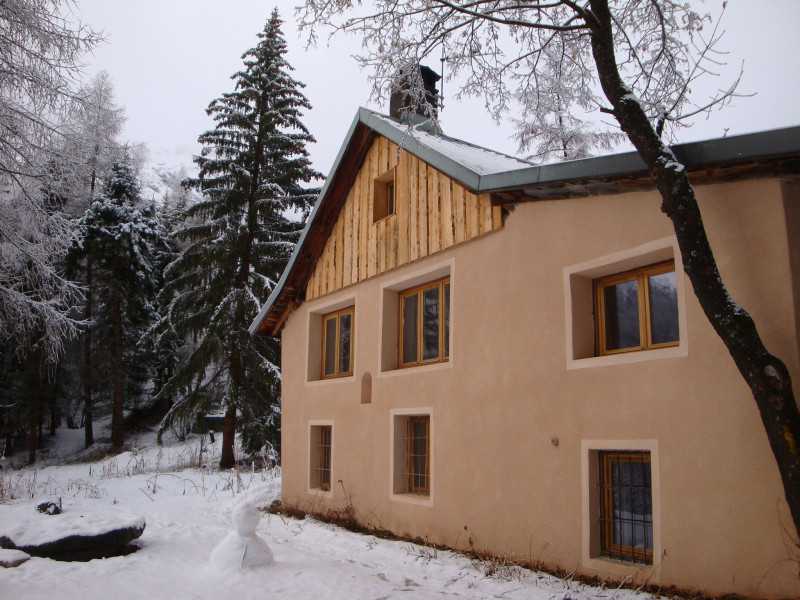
x,y
481,161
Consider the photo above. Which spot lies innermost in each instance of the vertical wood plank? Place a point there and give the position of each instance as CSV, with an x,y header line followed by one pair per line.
x,y
346,217
472,215
323,273
328,269
372,241
486,204
497,218
338,258
372,255
380,259
423,208
366,218
434,212
447,211
380,153
413,208
374,172
401,208
375,159
459,205
355,199
391,244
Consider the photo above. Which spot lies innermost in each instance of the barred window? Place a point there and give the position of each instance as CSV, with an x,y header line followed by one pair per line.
x,y
419,455
320,454
626,506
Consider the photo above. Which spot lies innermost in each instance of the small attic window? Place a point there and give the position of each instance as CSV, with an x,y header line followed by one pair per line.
x,y
383,196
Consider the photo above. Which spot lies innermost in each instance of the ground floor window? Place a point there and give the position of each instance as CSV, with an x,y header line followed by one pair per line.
x,y
419,454
626,505
320,454
412,456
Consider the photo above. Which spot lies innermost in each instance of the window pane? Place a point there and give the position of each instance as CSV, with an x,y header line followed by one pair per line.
x,y
446,320
419,453
621,304
330,346
663,308
325,458
632,504
430,324
345,327
410,328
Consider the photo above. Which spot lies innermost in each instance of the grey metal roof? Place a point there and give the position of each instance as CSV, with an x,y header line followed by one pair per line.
x,y
483,170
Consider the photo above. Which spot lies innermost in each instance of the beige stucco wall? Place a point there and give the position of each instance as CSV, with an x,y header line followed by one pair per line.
x,y
515,418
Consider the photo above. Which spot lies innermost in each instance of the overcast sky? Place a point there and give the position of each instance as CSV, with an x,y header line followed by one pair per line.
x,y
169,58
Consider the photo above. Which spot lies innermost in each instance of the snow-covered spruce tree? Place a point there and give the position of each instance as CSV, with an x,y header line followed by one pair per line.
x,y
251,170
117,235
644,56
91,146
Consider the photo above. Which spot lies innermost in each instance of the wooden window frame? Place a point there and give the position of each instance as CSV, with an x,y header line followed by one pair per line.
x,y
350,310
639,275
324,447
384,200
425,489
607,546
443,331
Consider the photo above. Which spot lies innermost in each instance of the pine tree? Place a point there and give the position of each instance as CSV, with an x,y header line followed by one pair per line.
x,y
118,232
251,169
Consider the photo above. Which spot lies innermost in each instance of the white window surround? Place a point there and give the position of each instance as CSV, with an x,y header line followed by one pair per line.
x,y
313,337
397,451
579,304
317,492
389,312
590,510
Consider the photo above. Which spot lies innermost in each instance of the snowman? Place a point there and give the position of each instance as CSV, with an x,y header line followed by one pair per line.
x,y
243,548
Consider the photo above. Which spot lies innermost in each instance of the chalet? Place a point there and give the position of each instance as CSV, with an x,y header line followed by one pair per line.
x,y
494,355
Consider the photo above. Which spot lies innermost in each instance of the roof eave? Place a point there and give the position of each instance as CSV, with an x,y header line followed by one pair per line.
x,y
739,148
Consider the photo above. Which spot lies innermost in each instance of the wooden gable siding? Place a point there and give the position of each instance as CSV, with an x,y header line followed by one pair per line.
x,y
432,213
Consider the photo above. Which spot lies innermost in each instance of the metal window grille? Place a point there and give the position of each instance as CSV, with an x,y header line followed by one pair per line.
x,y
418,455
324,449
626,506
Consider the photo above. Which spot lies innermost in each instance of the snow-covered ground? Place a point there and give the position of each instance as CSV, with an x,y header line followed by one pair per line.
x,y
188,512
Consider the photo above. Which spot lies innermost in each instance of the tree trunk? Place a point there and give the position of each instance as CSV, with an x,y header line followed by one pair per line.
x,y
9,420
767,377
228,458
34,412
53,419
117,434
88,437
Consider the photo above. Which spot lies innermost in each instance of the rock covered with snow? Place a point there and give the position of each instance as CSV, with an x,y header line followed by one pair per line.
x,y
72,535
242,548
12,558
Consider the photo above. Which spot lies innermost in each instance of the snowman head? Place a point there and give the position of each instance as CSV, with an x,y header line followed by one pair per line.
x,y
245,519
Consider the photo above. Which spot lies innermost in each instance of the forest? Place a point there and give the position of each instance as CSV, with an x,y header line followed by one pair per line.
x,y
114,303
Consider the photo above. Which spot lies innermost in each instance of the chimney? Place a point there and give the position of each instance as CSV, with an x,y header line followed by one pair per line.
x,y
402,103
